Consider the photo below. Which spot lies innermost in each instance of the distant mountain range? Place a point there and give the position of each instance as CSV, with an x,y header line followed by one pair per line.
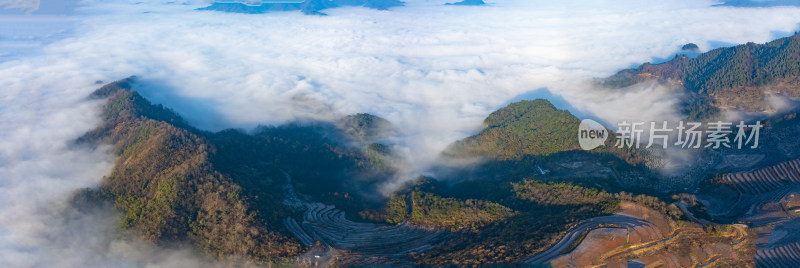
x,y
313,7
310,7
760,3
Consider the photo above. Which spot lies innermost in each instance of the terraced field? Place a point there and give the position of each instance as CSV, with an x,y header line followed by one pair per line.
x,y
328,225
573,236
766,179
767,196
638,233
767,208
783,256
378,243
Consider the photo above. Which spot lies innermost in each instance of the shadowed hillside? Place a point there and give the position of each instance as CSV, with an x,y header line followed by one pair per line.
x,y
167,188
220,191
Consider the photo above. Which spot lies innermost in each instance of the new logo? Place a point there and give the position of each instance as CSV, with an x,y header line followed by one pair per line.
x,y
591,134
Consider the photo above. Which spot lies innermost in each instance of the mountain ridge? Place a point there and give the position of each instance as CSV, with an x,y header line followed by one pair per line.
x,y
738,77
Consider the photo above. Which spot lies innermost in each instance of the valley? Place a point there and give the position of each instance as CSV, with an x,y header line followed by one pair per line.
x,y
252,195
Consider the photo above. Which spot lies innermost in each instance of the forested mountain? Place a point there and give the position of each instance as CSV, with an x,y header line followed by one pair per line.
x,y
228,193
534,130
523,128
221,191
532,167
366,127
731,77
166,186
273,193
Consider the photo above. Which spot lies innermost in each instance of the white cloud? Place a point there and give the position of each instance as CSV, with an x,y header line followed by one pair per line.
x,y
27,6
435,71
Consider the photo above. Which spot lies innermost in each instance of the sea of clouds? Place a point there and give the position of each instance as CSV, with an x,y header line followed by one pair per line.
x,y
434,71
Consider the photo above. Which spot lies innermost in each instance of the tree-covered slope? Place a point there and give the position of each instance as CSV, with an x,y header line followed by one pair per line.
x,y
222,191
523,128
422,205
523,134
736,76
168,190
366,127
504,222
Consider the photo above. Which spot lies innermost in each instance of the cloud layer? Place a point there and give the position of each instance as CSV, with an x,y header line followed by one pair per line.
x,y
26,6
435,71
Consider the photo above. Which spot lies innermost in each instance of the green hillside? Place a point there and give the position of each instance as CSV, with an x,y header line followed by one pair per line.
x,y
504,222
727,77
523,128
366,127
